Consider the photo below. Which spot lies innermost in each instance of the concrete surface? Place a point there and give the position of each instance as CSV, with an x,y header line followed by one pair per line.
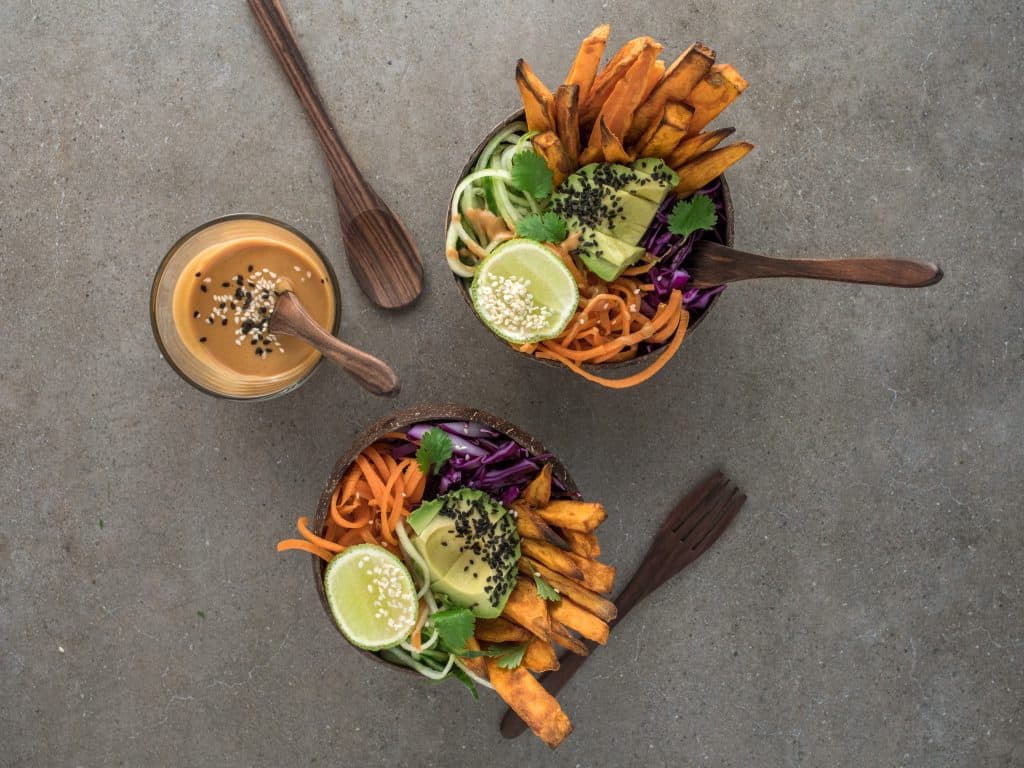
x,y
865,610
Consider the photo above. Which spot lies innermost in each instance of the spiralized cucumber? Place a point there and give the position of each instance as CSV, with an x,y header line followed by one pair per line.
x,y
487,187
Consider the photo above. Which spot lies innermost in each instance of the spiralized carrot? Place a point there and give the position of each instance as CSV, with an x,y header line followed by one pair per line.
x,y
629,381
372,499
305,546
609,327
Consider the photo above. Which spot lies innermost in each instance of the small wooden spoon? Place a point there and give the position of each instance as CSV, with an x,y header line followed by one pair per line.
x,y
712,264
291,319
381,253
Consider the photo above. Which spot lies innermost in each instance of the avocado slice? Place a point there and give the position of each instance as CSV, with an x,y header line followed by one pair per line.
x,y
656,168
612,211
616,254
472,550
635,181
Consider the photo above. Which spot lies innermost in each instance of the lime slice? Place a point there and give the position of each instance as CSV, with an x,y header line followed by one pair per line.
x,y
371,596
524,292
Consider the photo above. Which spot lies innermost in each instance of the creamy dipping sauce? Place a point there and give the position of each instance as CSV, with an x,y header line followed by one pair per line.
x,y
224,299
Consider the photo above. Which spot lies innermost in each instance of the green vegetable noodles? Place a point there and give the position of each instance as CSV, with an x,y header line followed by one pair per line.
x,y
493,186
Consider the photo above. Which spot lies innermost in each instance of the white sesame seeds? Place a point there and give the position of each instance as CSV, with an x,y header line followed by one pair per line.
x,y
508,303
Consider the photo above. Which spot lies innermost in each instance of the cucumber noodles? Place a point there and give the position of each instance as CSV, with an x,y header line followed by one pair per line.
x,y
488,187
424,660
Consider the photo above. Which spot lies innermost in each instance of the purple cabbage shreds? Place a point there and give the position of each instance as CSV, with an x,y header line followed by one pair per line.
x,y
481,458
510,494
669,273
402,450
468,429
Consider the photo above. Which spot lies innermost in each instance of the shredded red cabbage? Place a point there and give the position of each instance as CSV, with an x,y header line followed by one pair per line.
x,y
481,458
669,273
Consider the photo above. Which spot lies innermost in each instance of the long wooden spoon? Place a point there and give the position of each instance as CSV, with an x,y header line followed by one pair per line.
x,y
292,319
712,264
381,253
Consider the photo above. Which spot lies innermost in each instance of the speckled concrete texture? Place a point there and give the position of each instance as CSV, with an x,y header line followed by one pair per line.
x,y
864,610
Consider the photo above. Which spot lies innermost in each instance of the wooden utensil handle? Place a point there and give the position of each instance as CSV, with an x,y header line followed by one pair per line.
x,y
357,196
291,318
373,375
896,273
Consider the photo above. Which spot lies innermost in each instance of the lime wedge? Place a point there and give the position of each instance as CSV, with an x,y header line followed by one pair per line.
x,y
524,292
371,596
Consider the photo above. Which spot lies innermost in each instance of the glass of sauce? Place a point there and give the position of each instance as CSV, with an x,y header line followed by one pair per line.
x,y
213,296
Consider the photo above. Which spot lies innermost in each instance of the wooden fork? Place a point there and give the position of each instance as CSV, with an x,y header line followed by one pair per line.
x,y
687,533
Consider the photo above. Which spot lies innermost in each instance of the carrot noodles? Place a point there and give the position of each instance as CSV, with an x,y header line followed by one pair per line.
x,y
372,499
609,327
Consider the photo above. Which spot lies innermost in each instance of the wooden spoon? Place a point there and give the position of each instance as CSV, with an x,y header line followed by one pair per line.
x,y
292,319
381,253
712,264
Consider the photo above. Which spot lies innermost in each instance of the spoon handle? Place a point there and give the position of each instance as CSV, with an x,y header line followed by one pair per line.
x,y
373,375
718,264
355,195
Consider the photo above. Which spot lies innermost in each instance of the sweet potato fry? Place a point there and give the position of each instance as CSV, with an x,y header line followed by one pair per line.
x,y
578,515
611,146
593,602
668,132
500,630
567,125
561,636
553,557
588,59
717,90
583,544
538,492
540,656
549,146
590,573
591,155
527,609
617,111
679,80
527,697
608,78
531,526
566,612
536,98
704,168
478,665
697,145
654,75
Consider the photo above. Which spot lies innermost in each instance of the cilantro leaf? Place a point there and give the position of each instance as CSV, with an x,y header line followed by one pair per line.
x,y
423,514
435,449
490,652
512,657
455,626
545,590
460,674
690,215
531,174
546,227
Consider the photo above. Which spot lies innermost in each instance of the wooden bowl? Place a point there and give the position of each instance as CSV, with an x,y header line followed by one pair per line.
x,y
623,364
398,422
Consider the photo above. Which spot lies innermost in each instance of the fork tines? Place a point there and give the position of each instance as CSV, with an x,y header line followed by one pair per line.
x,y
696,523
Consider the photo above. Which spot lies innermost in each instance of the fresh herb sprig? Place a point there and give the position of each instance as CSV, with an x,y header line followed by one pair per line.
x,y
435,449
546,227
531,174
688,216
545,590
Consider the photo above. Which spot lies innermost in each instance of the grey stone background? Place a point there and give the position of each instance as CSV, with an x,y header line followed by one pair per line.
x,y
865,609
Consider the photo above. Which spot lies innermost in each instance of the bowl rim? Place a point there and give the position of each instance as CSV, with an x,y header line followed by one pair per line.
x,y
520,115
397,421
165,262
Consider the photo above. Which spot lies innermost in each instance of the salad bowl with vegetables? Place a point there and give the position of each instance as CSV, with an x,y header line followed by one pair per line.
x,y
450,543
570,227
